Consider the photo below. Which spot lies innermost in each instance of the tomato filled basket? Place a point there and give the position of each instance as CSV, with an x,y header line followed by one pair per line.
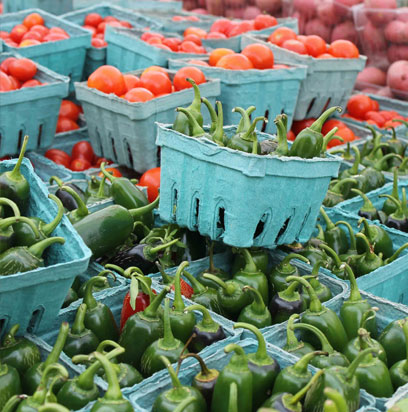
x,y
272,201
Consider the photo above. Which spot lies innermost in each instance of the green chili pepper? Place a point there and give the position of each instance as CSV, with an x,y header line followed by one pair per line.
x,y
102,193
218,136
397,220
323,318
7,234
80,340
181,123
309,141
293,345
13,402
376,236
335,402
323,292
26,236
263,367
21,259
259,256
281,133
328,138
288,402
144,328
334,236
278,275
230,295
256,313
238,372
335,266
393,341
98,317
399,371
81,211
368,210
9,383
294,377
32,377
167,346
14,185
389,206
368,261
99,286
333,358
335,193
195,128
113,399
20,353
205,332
212,113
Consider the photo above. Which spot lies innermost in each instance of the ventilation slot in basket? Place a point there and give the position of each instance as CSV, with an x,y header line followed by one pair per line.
x,y
39,135
35,320
260,226
282,230
129,153
220,221
196,211
113,148
174,203
309,109
326,105
20,140
265,122
3,325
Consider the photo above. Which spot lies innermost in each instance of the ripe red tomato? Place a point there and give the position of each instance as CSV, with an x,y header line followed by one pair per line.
x,y
291,136
33,19
101,160
260,55
221,26
216,35
196,31
156,82
376,117
180,79
83,150
66,125
315,45
31,83
299,125
235,61
344,49
55,37
151,179
189,46
148,34
93,19
32,35
194,38
138,95
113,171
172,42
108,79
5,83
263,21
70,110
359,105
131,81
98,43
280,35
295,46
331,124
18,32
242,27
40,29
29,42
80,164
345,133
217,54
15,84
58,156
5,64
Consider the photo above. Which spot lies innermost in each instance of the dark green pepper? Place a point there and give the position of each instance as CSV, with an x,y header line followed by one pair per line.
x,y
323,292
213,115
67,200
102,193
368,261
281,133
335,264
81,211
293,345
8,235
259,256
376,236
335,193
399,371
9,383
256,313
334,236
368,210
397,220
393,341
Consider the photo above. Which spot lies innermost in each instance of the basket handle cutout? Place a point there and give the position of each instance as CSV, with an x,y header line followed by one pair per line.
x,y
260,227
265,122
196,210
158,155
283,229
129,152
35,319
113,147
309,109
174,202
326,105
20,139
304,223
40,129
97,145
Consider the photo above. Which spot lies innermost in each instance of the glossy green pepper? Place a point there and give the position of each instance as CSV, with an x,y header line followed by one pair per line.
x,y
9,383
211,111
397,220
281,133
323,292
102,193
393,341
247,141
335,193
399,371
81,211
368,261
336,263
334,236
259,256
7,233
293,345
368,210
256,313
389,206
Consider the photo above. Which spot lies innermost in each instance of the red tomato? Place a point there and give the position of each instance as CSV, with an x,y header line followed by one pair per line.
x,y
280,35
92,29
190,47
93,19
40,29
388,114
58,30
299,125
260,55
83,150
156,82
4,34
5,64
315,45
325,56
180,79
58,156
31,83
110,19
346,134
80,164
161,46
217,54
295,46
55,37
113,171
70,110
376,117
172,42
157,69
138,95
216,35
280,66
343,49
263,21
359,105
22,69
221,26
14,83
151,179
148,34
108,79
126,24
235,61
131,81
5,83
18,32
154,40
33,19
29,42
194,38
33,35
196,31
331,124
243,27
98,43
101,160
66,125
291,136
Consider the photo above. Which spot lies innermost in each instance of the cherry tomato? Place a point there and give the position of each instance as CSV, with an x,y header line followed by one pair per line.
x,y
138,95
156,82
5,64
376,117
180,79
263,21
65,125
315,45
216,35
58,156
242,27
40,29
98,43
157,69
5,83
295,46
33,19
151,179
79,164
70,110
29,43
235,61
216,55
189,47
93,19
113,171
108,79
299,125
280,35
344,49
32,35
83,150
359,105
172,42
261,56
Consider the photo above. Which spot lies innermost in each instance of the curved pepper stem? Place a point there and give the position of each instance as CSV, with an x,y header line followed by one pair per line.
x,y
369,249
156,249
291,339
329,137
204,368
351,369
134,288
82,210
261,355
379,165
368,205
212,112
337,399
299,395
197,130
245,122
257,305
140,211
168,338
326,347
320,234
239,352
329,224
368,315
207,320
227,287
396,254
106,174
78,326
12,403
50,371
173,376
89,298
315,304
398,214
151,310
15,174
10,337
301,365
355,295
48,228
282,149
289,292
38,248
178,303
218,135
318,124
286,260
9,221
167,279
13,206
332,254
352,237
58,345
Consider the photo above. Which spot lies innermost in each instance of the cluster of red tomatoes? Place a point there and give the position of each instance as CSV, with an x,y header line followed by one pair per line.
x,y
96,24
82,157
313,45
68,116
191,43
17,73
32,32
344,131
154,82
363,108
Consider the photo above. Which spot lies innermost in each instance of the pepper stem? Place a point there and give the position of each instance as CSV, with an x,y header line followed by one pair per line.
x,y
398,214
291,339
16,173
38,248
78,326
396,253
101,190
250,265
212,112
315,304
286,260
261,354
368,248
11,204
48,228
318,124
332,254
302,364
89,298
257,305
353,245
329,137
245,122
10,337
218,134
197,286
51,371
289,292
380,163
299,395
197,130
207,320
113,393
329,224
226,287
326,347
351,369
163,246
368,205
107,175
58,345
12,403
196,103
151,310
355,295
9,221
140,211
204,368
339,403
357,159
82,210
178,303
282,149
248,133
167,279
173,376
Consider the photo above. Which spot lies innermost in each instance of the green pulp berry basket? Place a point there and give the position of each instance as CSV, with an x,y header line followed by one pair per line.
x,y
51,6
329,82
388,312
271,91
42,291
125,132
66,57
96,57
31,111
273,201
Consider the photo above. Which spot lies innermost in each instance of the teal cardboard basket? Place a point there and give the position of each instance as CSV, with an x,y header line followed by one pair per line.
x,y
31,111
170,6
125,132
329,82
96,57
388,282
235,43
51,6
271,91
127,51
66,57
388,312
42,291
215,358
272,201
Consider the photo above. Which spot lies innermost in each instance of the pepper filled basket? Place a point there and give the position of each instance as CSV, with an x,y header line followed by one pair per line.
x,y
42,291
96,57
242,199
127,51
32,111
271,91
66,57
125,132
329,82
51,6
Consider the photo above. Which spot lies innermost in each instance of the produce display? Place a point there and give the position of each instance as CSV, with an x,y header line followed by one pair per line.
x,y
215,218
